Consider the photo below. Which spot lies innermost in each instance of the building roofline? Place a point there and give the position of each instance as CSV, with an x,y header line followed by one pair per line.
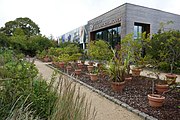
x,y
153,9
109,11
134,5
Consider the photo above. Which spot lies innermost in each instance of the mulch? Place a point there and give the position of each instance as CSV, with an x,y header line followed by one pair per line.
x,y
135,95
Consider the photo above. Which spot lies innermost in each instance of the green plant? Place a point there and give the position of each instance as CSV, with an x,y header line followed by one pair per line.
x,y
20,86
116,71
164,47
43,97
99,50
23,112
71,105
95,71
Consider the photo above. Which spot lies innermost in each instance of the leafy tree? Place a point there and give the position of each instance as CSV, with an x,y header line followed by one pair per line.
x,y
165,48
4,40
39,43
26,24
19,43
99,50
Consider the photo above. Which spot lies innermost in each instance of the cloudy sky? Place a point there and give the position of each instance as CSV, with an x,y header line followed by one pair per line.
x,y
56,17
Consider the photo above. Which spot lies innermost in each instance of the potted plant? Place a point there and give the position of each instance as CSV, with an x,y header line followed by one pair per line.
x,y
117,73
77,71
171,78
164,47
94,74
132,50
99,50
155,100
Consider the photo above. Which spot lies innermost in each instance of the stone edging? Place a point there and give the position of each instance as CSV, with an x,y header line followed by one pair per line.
x,y
129,108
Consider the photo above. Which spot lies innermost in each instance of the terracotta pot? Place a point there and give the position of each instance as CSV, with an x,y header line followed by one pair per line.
x,y
171,78
136,72
61,64
162,88
90,63
90,68
77,71
80,65
69,68
128,79
155,100
94,77
117,86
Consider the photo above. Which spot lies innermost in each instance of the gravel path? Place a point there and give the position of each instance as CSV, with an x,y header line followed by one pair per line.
x,y
106,110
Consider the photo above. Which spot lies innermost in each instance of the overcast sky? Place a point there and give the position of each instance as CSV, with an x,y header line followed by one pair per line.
x,y
57,17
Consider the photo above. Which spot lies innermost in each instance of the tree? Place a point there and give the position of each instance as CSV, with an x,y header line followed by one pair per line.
x,y
4,40
38,43
165,48
27,25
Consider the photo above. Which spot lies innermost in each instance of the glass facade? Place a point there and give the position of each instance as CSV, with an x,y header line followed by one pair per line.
x,y
139,28
111,35
137,31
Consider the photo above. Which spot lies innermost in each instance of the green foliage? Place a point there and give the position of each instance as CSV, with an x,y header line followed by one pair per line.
x,y
99,50
116,71
6,56
24,95
19,82
27,25
71,105
4,40
23,112
19,43
71,52
63,45
43,98
39,43
23,35
95,70
165,47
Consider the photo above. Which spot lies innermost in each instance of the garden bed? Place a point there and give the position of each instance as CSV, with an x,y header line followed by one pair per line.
x,y
135,95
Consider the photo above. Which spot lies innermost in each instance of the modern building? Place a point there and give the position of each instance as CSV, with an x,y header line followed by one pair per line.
x,y
129,18
78,35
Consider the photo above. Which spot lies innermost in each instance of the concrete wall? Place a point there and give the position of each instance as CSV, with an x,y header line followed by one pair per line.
x,y
110,18
150,16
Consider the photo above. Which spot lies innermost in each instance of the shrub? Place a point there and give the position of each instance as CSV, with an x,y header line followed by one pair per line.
x,y
99,50
165,47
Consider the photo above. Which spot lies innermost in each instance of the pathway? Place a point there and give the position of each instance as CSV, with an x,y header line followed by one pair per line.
x,y
106,110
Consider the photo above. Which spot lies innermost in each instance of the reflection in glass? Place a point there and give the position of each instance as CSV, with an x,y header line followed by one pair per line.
x,y
137,31
111,35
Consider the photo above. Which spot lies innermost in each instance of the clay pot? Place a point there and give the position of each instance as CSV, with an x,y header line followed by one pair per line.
x,y
61,64
90,63
80,65
128,79
117,86
171,78
77,71
162,88
69,68
155,100
90,68
94,77
136,72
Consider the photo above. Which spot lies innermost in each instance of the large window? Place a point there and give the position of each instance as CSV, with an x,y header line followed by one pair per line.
x,y
111,35
139,28
137,31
